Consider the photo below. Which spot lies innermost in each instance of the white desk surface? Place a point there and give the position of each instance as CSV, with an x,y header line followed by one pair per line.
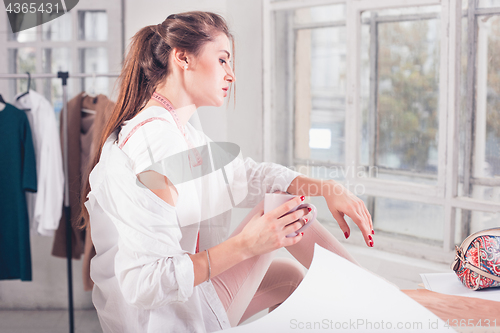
x,y
448,283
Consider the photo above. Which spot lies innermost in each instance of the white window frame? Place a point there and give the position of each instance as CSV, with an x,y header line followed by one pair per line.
x,y
114,43
444,193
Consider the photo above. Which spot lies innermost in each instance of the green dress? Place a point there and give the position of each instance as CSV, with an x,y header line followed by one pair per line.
x,y
17,175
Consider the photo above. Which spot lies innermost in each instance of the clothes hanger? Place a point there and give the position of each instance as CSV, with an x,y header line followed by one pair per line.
x,y
85,94
88,111
2,101
28,90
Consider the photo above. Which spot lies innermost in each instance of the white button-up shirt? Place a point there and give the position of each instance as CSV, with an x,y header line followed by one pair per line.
x,y
142,271
44,206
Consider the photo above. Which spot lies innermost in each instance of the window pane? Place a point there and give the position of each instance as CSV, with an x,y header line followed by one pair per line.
x,y
409,218
53,61
59,29
488,3
25,36
463,105
320,65
94,60
309,84
400,89
56,59
22,60
327,91
485,144
320,14
401,176
487,138
283,98
337,173
93,25
320,138
487,193
479,221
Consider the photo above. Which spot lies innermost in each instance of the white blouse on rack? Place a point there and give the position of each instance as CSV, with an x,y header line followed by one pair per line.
x,y
44,206
142,271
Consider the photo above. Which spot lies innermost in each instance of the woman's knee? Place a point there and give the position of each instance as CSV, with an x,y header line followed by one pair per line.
x,y
288,271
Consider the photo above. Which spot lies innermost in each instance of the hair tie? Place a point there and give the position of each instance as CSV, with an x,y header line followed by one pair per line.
x,y
156,29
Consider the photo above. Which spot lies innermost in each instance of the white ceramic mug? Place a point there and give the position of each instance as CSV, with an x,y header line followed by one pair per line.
x,y
274,200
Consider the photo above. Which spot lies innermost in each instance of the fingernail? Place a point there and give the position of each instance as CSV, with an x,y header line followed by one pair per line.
x,y
373,232
346,235
305,220
309,208
302,198
370,237
371,243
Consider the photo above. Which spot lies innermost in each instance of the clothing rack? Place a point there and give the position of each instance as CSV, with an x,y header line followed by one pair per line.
x,y
64,76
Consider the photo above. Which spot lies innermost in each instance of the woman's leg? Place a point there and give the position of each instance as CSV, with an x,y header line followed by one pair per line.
x,y
303,251
237,285
282,278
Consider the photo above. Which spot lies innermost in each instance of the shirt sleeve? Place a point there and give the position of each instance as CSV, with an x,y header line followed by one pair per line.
x,y
151,268
29,162
265,177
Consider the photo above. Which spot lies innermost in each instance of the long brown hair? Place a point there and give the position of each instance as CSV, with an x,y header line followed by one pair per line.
x,y
146,67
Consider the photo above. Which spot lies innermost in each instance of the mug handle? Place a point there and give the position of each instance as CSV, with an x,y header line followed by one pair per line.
x,y
304,227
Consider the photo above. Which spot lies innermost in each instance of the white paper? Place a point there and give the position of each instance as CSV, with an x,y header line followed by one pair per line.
x,y
337,295
449,284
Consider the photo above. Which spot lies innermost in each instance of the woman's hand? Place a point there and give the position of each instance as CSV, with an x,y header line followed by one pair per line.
x,y
342,202
267,232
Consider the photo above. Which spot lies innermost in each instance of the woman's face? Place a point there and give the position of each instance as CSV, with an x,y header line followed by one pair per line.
x,y
209,75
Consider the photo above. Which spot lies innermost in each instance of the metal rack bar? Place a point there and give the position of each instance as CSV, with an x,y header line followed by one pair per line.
x,y
54,76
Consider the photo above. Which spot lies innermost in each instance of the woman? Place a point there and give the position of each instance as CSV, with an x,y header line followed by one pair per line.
x,y
152,272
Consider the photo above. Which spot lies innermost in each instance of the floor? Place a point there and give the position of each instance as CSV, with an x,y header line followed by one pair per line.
x,y
400,270
11,321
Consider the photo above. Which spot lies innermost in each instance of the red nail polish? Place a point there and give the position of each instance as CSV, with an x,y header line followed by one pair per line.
x,y
346,235
309,208
371,243
305,220
302,234
373,232
302,198
370,237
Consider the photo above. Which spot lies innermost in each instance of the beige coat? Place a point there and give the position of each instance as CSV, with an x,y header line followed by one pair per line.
x,y
84,130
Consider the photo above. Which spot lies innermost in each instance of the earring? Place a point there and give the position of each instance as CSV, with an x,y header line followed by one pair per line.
x,y
185,66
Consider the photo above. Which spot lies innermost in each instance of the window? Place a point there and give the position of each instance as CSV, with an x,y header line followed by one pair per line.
x,y
379,96
480,122
77,41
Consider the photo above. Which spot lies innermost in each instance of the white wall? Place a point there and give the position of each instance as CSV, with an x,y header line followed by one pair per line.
x,y
245,121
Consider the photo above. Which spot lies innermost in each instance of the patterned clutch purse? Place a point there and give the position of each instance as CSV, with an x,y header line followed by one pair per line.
x,y
477,260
